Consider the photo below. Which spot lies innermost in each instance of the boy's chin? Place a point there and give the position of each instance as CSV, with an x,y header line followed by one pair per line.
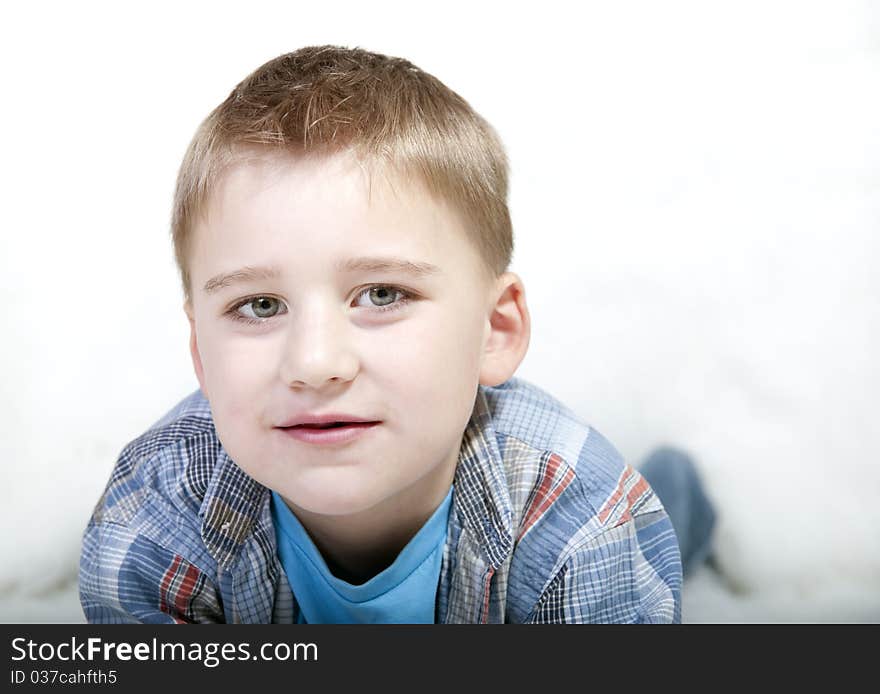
x,y
330,503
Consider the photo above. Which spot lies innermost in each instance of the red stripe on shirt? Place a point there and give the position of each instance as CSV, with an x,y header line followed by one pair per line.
x,y
634,494
177,588
186,589
616,496
165,583
639,489
546,493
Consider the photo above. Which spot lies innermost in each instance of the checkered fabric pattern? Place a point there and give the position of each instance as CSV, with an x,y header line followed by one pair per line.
x,y
548,525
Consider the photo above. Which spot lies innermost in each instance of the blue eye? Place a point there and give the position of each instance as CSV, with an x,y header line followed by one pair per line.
x,y
262,308
381,297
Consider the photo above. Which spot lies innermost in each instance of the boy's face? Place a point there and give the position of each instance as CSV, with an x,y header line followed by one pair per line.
x,y
333,332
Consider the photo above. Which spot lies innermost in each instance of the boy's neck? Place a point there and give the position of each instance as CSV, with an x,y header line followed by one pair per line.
x,y
359,546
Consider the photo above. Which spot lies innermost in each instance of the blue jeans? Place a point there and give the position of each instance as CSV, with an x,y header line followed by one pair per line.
x,y
674,479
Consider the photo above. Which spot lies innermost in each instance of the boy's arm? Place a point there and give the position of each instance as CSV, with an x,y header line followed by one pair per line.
x,y
630,573
127,578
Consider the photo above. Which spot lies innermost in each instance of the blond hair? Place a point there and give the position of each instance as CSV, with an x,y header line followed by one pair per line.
x,y
324,99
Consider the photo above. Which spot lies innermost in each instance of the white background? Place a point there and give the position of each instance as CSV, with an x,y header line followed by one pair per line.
x,y
695,195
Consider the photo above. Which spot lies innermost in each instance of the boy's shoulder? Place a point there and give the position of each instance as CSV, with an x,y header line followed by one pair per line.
x,y
171,463
172,515
528,421
585,536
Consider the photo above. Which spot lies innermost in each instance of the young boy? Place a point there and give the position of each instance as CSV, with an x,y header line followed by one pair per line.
x,y
359,450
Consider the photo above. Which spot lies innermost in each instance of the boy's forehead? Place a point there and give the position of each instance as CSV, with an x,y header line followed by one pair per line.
x,y
336,177
323,197
397,219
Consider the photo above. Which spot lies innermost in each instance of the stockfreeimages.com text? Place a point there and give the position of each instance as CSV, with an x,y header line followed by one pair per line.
x,y
209,654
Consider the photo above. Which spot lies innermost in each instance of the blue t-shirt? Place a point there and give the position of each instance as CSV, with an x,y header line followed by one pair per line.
x,y
403,593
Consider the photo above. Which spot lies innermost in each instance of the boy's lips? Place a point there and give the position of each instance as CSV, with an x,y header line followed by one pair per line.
x,y
307,419
328,428
341,433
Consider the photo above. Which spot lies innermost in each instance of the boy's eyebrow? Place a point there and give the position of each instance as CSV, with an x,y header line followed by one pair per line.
x,y
364,264
246,274
407,267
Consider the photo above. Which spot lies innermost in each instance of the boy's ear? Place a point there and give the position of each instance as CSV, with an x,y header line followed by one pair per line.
x,y
194,346
509,329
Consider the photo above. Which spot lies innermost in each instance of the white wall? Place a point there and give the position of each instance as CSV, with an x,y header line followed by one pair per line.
x,y
696,198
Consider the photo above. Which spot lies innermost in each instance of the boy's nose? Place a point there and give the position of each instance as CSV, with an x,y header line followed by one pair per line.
x,y
317,352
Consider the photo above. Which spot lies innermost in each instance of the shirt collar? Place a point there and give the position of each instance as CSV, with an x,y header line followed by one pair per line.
x,y
481,494
234,504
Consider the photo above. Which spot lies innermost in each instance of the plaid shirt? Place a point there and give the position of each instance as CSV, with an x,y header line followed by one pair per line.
x,y
548,525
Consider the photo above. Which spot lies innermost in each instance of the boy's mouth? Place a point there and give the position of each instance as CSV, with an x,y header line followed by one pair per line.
x,y
331,425
328,433
329,420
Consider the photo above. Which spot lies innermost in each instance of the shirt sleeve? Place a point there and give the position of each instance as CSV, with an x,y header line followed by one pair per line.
x,y
127,578
629,573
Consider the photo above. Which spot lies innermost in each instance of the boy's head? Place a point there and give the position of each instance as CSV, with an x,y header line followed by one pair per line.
x,y
342,233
